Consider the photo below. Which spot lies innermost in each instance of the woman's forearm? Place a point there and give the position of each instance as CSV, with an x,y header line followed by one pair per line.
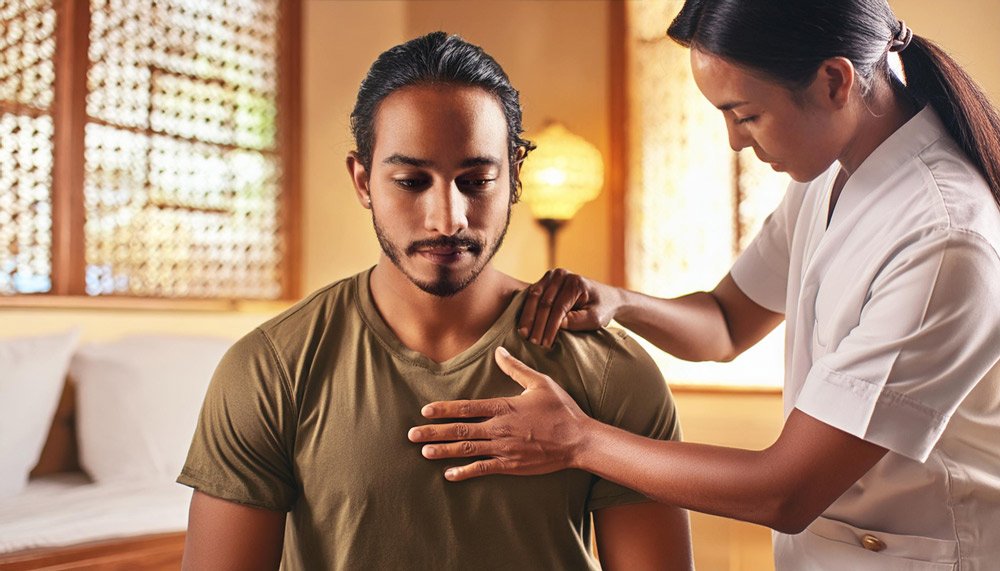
x,y
692,327
702,326
727,482
785,486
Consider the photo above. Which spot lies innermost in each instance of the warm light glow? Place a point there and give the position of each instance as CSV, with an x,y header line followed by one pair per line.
x,y
561,175
552,177
691,204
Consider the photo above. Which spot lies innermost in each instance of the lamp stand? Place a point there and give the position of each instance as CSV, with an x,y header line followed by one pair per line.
x,y
552,227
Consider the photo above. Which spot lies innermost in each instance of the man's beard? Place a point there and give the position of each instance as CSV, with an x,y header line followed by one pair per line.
x,y
445,284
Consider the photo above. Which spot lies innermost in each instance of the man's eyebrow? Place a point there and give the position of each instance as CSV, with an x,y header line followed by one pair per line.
x,y
481,161
731,105
484,160
398,159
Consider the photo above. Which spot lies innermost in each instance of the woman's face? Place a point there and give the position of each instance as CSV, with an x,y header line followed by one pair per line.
x,y
799,133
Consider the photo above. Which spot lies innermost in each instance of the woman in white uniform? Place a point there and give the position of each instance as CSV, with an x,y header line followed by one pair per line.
x,y
882,259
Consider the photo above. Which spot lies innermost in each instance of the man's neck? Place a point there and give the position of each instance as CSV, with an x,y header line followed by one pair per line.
x,y
440,327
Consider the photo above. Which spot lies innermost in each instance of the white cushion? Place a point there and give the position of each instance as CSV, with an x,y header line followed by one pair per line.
x,y
32,374
138,401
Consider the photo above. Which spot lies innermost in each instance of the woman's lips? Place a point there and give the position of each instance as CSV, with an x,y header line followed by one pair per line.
x,y
774,164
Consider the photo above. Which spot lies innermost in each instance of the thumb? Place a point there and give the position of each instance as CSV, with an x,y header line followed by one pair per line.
x,y
515,369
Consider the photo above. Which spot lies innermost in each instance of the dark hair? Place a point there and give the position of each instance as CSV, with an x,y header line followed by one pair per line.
x,y
787,40
437,58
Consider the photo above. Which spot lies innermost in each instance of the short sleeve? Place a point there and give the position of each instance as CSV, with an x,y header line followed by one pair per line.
x,y
926,336
761,271
241,451
635,398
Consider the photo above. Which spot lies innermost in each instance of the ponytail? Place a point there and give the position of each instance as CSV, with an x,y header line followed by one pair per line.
x,y
933,77
789,39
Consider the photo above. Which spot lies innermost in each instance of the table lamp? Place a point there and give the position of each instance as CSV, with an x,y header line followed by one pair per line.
x,y
562,174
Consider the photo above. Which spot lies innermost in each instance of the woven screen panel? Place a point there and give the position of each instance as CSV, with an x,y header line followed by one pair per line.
x,y
27,46
182,186
761,190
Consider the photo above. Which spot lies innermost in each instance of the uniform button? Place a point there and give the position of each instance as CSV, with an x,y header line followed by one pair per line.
x,y
872,543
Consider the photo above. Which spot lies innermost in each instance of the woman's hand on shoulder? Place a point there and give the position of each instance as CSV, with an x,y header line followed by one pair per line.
x,y
564,300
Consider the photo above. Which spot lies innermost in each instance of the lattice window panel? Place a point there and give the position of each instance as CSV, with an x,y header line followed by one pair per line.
x,y
27,76
182,181
692,204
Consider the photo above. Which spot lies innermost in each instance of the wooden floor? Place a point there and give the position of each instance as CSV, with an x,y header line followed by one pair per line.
x,y
744,420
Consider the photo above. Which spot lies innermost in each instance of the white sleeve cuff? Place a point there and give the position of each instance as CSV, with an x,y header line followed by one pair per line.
x,y
866,410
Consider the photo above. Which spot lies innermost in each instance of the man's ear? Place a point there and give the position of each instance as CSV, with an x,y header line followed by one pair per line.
x,y
834,81
359,176
519,157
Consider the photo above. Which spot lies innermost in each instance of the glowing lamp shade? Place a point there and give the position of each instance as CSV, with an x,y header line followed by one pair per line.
x,y
561,175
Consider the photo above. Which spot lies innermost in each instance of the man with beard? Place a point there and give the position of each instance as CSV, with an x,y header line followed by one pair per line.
x,y
308,415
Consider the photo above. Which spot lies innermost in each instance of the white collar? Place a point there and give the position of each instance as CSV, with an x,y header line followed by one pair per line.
x,y
922,130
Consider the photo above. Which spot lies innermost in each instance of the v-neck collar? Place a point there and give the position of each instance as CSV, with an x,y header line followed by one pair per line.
x,y
831,202
921,131
373,319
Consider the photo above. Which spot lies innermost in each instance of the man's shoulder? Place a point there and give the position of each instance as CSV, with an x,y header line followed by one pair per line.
x,y
607,358
272,352
336,300
622,383
603,344
282,338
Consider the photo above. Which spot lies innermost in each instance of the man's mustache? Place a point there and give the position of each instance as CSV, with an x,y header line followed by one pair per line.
x,y
452,242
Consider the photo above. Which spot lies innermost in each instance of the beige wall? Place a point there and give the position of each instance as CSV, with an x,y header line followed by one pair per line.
x,y
106,324
967,29
743,420
340,40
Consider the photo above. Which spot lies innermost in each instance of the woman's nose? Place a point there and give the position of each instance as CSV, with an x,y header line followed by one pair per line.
x,y
738,137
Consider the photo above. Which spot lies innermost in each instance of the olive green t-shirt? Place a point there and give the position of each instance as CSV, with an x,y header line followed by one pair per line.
x,y
308,414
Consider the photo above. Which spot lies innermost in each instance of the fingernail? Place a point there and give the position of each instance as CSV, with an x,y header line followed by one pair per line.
x,y
428,451
427,410
534,340
503,351
523,331
450,473
414,434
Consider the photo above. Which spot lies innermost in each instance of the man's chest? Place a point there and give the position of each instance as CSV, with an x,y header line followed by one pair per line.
x,y
352,455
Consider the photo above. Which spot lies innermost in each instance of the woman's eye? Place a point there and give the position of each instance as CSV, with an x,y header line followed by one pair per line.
x,y
745,120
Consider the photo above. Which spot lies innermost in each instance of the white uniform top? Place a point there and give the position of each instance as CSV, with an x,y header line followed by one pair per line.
x,y
893,335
